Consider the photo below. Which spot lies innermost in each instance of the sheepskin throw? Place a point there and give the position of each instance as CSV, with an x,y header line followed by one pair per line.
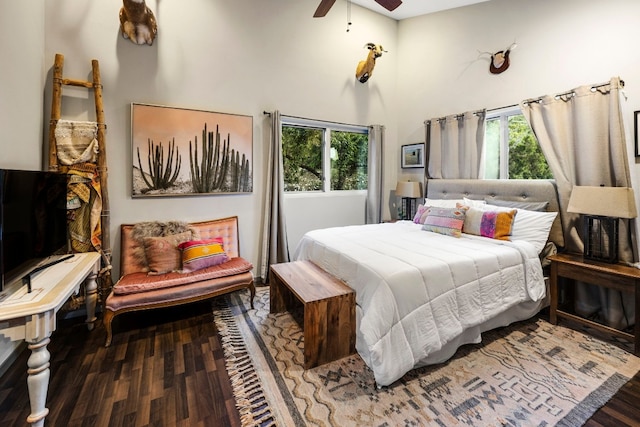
x,y
146,229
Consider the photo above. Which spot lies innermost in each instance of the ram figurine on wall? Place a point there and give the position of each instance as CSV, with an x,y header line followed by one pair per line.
x,y
365,68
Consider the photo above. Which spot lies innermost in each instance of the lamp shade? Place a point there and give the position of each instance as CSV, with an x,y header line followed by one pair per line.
x,y
615,202
408,189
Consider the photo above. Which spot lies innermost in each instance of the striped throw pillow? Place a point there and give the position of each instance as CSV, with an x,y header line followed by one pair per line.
x,y
199,254
447,221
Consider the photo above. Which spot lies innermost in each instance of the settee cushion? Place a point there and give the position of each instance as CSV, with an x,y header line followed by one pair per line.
x,y
142,230
142,282
162,253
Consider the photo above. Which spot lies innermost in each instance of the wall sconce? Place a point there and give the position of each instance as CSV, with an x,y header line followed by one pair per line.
x,y
409,191
601,208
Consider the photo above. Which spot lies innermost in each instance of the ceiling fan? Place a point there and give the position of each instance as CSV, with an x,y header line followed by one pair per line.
x,y
325,5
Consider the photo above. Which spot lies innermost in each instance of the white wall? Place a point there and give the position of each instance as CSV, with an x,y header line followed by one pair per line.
x,y
21,84
308,212
561,44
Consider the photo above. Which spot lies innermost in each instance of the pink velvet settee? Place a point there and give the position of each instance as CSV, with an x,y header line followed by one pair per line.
x,y
138,289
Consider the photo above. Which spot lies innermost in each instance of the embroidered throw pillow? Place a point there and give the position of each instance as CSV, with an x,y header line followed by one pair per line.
x,y
162,253
447,221
199,254
421,214
495,224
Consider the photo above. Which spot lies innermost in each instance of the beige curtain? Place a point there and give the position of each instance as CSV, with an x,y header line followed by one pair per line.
x,y
275,248
373,209
454,145
581,134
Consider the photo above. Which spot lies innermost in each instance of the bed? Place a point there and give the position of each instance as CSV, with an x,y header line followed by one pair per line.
x,y
420,294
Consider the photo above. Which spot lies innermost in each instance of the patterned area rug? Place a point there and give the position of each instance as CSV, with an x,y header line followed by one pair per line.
x,y
528,374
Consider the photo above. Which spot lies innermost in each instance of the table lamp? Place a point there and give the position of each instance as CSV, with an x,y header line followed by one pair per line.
x,y
601,208
409,191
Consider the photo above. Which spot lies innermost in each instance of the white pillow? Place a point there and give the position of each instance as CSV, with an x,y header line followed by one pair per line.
x,y
442,203
531,226
474,203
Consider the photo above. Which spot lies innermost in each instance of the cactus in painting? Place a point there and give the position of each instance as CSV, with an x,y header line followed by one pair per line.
x,y
208,176
239,173
218,167
160,176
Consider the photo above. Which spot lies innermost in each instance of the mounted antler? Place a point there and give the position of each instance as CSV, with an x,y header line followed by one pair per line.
x,y
365,68
500,60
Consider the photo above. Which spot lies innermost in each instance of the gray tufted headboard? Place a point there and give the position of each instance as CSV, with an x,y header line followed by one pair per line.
x,y
522,190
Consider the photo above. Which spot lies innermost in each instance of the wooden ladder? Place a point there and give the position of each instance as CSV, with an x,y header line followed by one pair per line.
x,y
56,107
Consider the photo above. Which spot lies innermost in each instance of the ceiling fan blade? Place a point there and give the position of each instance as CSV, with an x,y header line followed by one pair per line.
x,y
390,5
323,8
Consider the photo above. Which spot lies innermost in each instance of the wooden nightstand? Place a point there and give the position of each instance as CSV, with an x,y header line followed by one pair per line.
x,y
614,276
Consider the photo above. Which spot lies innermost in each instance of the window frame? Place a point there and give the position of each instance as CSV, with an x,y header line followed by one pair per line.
x,y
326,128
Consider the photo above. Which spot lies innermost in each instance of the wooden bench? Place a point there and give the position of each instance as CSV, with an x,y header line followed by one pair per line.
x,y
329,309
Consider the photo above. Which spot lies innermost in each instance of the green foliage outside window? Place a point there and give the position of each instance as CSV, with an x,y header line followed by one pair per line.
x,y
525,158
349,154
303,150
302,158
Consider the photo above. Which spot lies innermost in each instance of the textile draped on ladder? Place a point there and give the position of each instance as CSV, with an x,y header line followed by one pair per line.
x,y
84,207
76,142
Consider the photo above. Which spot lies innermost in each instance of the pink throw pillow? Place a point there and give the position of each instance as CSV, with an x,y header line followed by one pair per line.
x,y
162,253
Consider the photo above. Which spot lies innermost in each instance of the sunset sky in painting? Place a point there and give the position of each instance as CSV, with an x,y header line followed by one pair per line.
x,y
164,124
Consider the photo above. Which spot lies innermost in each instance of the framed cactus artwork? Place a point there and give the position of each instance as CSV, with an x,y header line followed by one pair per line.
x,y
185,152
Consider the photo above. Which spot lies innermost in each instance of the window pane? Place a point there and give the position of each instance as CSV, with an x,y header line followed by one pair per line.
x,y
526,160
492,149
302,158
349,153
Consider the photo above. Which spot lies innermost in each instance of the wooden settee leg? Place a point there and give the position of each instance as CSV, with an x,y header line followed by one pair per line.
x,y
108,317
252,290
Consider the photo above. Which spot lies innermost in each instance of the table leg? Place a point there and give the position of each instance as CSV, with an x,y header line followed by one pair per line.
x,y
91,298
636,327
38,381
553,289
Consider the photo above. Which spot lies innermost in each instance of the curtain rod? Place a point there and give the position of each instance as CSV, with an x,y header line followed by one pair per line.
x,y
456,116
501,108
571,92
268,113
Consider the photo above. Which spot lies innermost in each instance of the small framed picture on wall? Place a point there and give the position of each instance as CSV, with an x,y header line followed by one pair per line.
x,y
412,156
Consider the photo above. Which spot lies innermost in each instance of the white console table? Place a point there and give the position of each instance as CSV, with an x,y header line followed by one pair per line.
x,y
31,316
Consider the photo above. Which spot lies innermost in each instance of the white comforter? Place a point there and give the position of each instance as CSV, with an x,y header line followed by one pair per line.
x,y
418,290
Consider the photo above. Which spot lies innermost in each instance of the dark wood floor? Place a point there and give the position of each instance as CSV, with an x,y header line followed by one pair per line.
x,y
164,368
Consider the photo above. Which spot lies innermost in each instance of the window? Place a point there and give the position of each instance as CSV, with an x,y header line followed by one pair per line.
x,y
511,149
313,150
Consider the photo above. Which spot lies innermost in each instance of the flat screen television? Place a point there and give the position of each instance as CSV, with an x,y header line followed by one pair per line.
x,y
33,221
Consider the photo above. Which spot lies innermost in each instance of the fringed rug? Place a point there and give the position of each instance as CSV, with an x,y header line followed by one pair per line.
x,y
529,374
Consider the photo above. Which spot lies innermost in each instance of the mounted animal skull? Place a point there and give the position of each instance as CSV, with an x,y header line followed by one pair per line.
x,y
365,68
500,60
137,22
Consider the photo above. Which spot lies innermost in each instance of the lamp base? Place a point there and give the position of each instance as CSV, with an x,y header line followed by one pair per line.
x,y
408,208
600,238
